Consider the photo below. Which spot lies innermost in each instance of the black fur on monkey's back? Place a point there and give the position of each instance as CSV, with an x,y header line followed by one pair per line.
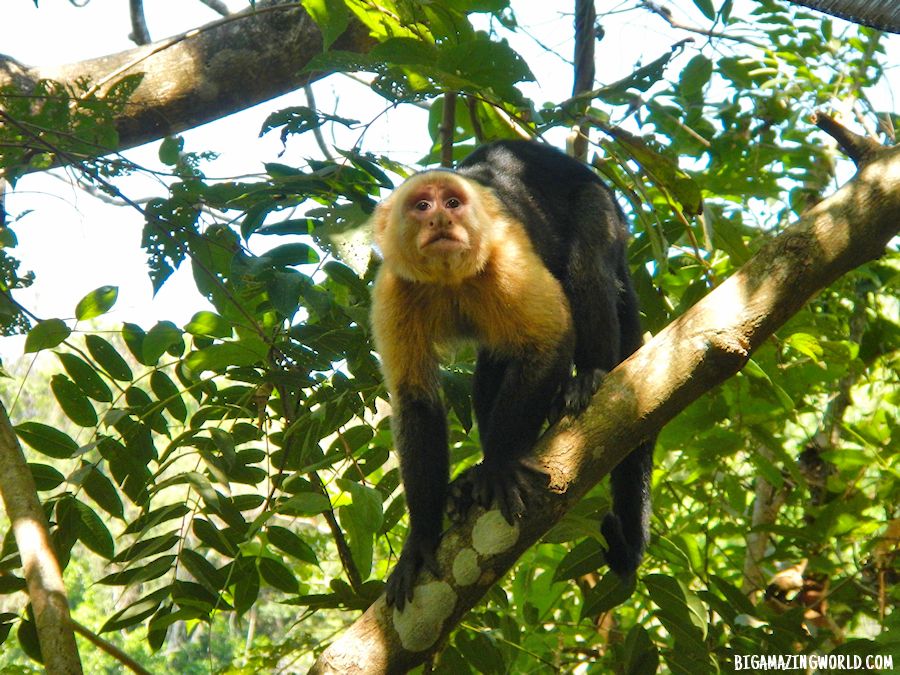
x,y
580,233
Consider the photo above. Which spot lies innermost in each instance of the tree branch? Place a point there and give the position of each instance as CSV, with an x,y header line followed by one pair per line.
x,y
880,14
111,649
447,128
696,352
139,33
207,73
43,577
860,149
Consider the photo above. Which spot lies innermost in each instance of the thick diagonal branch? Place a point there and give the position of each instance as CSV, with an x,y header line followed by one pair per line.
x,y
701,349
205,74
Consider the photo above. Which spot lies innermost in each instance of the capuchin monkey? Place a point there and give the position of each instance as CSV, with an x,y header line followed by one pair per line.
x,y
522,250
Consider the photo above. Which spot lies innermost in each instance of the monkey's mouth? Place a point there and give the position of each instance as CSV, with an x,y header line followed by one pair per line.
x,y
444,241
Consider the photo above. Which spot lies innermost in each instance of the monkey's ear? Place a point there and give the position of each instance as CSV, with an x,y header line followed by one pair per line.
x,y
380,220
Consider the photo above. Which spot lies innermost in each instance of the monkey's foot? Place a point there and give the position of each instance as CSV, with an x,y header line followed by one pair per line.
x,y
507,485
577,393
417,553
459,498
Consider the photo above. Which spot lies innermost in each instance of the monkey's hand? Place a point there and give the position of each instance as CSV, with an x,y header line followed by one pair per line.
x,y
418,552
506,484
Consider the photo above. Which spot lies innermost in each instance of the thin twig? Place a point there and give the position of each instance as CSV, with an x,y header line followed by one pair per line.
x,y
217,6
666,14
317,130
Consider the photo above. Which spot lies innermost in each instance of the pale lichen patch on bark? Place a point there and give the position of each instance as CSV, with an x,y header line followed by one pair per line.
x,y
419,624
492,534
465,567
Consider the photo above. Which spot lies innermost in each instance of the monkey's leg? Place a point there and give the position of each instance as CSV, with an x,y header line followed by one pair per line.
x,y
420,433
592,286
597,344
485,385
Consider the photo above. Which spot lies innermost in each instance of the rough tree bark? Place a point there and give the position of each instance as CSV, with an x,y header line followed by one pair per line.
x,y
881,14
696,352
204,74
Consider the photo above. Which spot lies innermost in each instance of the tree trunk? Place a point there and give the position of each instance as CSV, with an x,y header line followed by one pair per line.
x,y
43,577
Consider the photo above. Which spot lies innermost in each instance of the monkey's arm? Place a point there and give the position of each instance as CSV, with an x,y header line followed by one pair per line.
x,y
420,433
420,430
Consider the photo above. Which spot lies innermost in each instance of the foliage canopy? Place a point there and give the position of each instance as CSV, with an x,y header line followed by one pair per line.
x,y
233,476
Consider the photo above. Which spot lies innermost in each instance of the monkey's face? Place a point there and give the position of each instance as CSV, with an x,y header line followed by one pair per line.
x,y
435,228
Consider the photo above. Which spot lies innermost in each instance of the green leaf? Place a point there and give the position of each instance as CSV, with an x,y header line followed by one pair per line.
x,y
170,150
246,589
360,537
290,254
733,595
331,16
707,8
85,376
284,290
202,570
45,476
304,504
155,517
93,533
204,487
367,504
46,334
28,639
587,556
609,592
213,537
97,302
74,403
144,548
11,584
164,336
134,339
290,543
101,490
136,612
641,655
806,344
218,357
168,394
278,575
695,76
152,570
209,324
480,650
680,611
47,440
108,358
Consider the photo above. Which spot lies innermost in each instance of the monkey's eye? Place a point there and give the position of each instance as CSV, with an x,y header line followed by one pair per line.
x,y
423,205
452,203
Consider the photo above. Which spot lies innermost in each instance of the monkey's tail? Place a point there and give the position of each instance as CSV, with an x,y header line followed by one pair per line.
x,y
627,527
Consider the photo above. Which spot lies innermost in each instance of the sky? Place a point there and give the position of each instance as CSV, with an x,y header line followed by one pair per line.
x,y
75,243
